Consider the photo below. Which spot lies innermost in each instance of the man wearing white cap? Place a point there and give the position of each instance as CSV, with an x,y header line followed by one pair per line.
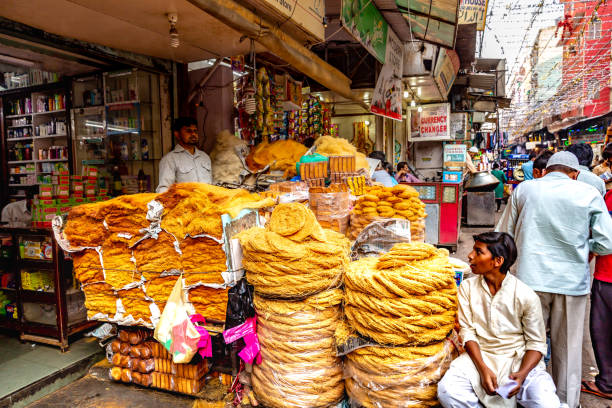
x,y
469,163
556,221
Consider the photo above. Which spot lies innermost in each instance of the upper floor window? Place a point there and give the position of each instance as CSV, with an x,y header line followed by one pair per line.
x,y
595,29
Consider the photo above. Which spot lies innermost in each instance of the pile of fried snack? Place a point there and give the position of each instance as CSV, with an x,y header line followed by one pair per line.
x,y
128,260
405,301
401,202
296,268
137,358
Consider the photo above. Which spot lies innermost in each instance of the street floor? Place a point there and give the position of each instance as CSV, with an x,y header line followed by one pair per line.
x,y
589,368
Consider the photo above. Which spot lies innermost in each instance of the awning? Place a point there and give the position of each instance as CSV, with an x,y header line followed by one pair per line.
x,y
207,29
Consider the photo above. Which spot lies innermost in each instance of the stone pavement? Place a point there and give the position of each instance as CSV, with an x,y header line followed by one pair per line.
x,y
589,368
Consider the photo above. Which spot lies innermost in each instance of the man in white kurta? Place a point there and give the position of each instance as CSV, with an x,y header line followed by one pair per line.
x,y
504,326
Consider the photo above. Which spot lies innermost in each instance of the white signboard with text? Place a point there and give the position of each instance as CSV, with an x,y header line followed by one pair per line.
x,y
432,123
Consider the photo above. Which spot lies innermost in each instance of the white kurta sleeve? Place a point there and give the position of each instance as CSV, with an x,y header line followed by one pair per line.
x,y
512,215
466,319
167,174
534,330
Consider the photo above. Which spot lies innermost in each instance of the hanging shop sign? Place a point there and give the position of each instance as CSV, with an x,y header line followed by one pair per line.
x,y
432,123
454,156
363,20
432,21
307,15
473,11
458,126
387,98
446,70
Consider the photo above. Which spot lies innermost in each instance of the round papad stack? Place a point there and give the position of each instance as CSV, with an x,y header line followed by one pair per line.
x,y
296,268
406,302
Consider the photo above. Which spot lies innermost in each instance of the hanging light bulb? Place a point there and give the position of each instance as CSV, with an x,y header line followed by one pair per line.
x,y
367,123
413,103
420,109
173,35
405,94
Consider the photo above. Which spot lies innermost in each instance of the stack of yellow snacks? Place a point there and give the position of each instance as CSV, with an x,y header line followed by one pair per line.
x,y
401,202
296,268
331,206
405,301
131,250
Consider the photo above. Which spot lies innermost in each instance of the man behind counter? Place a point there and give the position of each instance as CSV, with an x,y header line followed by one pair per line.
x,y
186,163
18,214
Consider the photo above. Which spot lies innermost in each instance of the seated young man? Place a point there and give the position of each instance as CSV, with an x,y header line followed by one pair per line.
x,y
503,334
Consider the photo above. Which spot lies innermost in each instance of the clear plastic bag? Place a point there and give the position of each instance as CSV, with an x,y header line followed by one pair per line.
x,y
397,377
379,236
299,365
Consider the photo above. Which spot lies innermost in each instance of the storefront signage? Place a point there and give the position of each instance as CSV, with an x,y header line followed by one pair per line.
x,y
387,98
473,11
458,126
306,14
446,70
454,157
363,20
432,123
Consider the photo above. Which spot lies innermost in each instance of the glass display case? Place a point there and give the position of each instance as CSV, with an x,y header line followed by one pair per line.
x,y
89,137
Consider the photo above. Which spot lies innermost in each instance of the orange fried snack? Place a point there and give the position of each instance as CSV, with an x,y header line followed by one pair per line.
x,y
119,269
128,213
100,298
159,289
84,226
210,303
203,260
135,304
87,267
154,256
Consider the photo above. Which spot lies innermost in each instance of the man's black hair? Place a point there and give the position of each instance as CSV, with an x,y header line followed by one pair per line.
x,y
607,152
583,152
542,160
401,165
309,142
495,166
499,244
183,121
378,155
532,155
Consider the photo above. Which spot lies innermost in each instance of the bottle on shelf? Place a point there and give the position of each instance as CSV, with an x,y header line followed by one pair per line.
x,y
117,185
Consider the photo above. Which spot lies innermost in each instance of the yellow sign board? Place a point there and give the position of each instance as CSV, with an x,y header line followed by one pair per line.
x,y
473,11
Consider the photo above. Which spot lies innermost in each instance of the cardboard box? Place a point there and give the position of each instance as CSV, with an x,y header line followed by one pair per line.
x,y
45,191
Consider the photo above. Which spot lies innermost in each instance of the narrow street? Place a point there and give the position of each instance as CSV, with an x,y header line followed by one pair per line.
x,y
589,368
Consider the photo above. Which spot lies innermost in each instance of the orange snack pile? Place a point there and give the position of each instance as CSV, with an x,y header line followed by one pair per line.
x,y
124,258
401,202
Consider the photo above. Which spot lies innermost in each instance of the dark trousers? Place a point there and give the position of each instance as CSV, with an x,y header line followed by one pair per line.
x,y
498,201
601,332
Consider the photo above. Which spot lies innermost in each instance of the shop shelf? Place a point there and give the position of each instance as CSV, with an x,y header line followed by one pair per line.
x,y
8,289
51,160
18,116
20,161
50,112
37,296
37,263
24,173
17,139
50,136
19,126
123,103
22,185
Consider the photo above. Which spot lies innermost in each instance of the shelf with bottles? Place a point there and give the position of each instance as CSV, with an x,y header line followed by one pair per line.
x,y
87,91
18,107
48,102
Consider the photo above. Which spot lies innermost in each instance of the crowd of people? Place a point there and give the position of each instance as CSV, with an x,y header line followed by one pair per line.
x,y
554,224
